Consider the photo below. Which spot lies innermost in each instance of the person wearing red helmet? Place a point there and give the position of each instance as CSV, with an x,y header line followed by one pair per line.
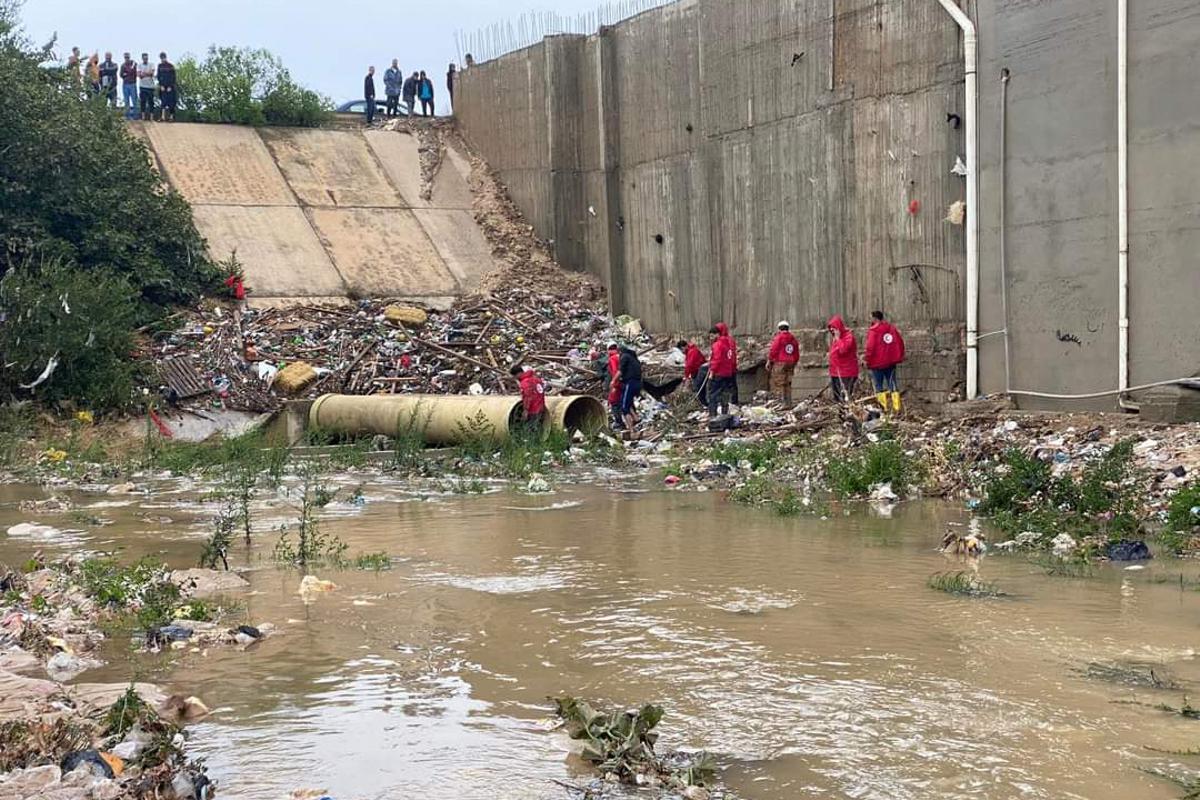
x,y
781,362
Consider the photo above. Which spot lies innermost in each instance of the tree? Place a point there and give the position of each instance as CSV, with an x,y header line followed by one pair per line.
x,y
245,86
77,186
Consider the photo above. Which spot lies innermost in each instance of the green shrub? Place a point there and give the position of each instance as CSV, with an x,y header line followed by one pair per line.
x,y
854,473
1019,480
77,186
143,587
79,321
760,454
1183,518
245,86
1022,495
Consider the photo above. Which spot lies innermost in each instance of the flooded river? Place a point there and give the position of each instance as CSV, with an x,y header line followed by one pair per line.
x,y
808,654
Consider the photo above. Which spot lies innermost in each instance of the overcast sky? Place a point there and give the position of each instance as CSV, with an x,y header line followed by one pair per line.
x,y
326,44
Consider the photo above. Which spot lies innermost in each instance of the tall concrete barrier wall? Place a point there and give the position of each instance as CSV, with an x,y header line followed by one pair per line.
x,y
1059,193
747,160
756,159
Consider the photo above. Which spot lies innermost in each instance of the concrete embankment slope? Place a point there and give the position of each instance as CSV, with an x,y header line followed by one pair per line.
x,y
326,215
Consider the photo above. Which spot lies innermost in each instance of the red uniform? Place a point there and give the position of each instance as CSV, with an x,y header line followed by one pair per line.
x,y
533,393
614,385
885,345
724,354
692,362
843,352
784,349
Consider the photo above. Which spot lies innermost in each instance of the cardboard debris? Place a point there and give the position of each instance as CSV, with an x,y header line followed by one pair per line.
x,y
295,377
411,316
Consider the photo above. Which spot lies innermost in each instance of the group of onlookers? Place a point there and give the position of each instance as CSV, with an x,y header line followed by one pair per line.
x,y
405,92
141,82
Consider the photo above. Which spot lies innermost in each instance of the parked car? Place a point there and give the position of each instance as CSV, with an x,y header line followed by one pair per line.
x,y
360,107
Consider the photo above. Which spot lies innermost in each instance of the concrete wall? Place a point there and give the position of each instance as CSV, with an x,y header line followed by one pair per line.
x,y
747,160
1060,192
780,185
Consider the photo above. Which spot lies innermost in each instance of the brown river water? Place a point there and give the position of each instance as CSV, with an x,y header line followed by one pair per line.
x,y
808,654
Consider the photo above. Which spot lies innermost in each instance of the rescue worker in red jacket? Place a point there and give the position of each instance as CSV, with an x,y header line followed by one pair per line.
x,y
722,371
533,396
781,362
694,371
843,360
885,350
614,388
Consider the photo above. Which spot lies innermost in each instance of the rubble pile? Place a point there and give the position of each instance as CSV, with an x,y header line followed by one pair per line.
x,y
242,355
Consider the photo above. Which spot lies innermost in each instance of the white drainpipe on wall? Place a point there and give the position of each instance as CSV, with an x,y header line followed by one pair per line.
x,y
1123,201
970,59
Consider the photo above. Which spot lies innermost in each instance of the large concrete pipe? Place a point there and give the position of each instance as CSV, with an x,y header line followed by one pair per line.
x,y
576,413
445,419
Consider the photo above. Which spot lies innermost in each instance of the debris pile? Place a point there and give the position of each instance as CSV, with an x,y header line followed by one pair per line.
x,y
621,746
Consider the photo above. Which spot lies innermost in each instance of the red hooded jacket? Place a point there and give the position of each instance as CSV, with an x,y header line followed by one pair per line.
x,y
533,393
843,352
723,363
885,345
784,349
692,362
614,384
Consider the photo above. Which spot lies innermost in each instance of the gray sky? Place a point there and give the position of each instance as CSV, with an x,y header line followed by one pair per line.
x,y
327,45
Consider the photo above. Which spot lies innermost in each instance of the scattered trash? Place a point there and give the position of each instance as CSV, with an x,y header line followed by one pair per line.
x,y
1063,545
91,761
537,485
1128,550
311,586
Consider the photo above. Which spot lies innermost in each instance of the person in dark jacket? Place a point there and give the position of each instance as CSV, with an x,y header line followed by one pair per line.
x,y
410,92
425,95
108,80
369,94
629,376
451,77
168,98
393,79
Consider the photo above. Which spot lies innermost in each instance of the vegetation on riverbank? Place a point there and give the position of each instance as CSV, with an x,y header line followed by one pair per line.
x,y
94,246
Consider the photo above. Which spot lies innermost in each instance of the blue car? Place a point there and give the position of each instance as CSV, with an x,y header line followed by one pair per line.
x,y
360,107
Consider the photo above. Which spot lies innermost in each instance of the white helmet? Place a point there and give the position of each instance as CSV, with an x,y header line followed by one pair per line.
x,y
783,323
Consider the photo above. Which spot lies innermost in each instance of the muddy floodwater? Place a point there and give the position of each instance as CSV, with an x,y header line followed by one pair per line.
x,y
808,654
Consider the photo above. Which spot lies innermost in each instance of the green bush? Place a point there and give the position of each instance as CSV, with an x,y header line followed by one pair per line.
x,y
854,473
76,186
245,86
1183,518
1022,495
78,323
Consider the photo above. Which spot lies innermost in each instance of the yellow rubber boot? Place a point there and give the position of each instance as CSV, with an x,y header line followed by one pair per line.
x,y
882,398
896,402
